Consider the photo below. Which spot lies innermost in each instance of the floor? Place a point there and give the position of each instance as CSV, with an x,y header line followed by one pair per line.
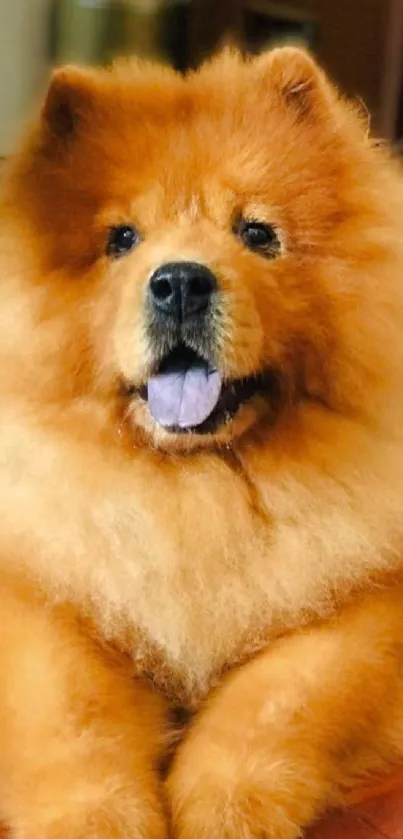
x,y
374,815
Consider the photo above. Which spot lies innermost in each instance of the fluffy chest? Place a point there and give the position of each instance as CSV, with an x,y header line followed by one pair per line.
x,y
190,566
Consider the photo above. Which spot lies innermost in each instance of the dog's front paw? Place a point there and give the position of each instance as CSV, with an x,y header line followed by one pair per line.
x,y
123,817
214,797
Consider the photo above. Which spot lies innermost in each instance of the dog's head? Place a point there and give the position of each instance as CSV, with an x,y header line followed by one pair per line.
x,y
209,249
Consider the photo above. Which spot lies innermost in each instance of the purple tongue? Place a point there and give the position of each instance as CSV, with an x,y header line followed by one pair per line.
x,y
184,397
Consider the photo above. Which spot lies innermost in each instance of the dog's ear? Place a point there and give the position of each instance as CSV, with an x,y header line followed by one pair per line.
x,y
298,80
69,101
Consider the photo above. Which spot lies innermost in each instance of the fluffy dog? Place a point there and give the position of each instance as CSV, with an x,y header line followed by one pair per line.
x,y
201,438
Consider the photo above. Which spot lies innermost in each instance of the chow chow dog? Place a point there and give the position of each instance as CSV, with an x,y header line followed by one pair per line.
x,y
201,437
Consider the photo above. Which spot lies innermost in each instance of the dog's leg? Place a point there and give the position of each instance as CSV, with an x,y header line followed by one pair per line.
x,y
288,734
79,738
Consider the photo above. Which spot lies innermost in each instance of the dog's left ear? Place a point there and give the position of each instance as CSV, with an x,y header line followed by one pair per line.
x,y
294,75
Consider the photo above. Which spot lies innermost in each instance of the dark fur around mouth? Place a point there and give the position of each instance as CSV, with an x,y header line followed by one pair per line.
x,y
234,393
202,335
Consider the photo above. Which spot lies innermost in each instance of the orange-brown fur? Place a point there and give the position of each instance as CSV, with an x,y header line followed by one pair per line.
x,y
252,575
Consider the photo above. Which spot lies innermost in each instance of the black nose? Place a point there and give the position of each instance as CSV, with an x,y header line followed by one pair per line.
x,y
182,289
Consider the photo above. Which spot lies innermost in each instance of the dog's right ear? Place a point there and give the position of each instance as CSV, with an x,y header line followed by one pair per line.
x,y
69,101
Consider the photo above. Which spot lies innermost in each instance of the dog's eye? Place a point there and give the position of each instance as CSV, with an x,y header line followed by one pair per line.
x,y
259,237
122,238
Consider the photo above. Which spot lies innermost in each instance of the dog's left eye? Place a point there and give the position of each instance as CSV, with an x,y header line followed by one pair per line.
x,y
260,237
122,238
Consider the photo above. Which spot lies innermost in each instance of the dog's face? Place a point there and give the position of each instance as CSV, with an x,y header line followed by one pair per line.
x,y
194,238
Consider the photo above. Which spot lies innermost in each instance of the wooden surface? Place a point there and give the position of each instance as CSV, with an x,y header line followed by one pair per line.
x,y
360,43
376,813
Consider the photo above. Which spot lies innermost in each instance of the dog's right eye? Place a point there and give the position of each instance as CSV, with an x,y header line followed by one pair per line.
x,y
122,238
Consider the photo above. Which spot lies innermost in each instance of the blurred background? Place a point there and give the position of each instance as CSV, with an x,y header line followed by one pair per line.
x,y
360,42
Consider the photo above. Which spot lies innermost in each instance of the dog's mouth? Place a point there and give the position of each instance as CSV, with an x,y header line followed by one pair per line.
x,y
188,395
